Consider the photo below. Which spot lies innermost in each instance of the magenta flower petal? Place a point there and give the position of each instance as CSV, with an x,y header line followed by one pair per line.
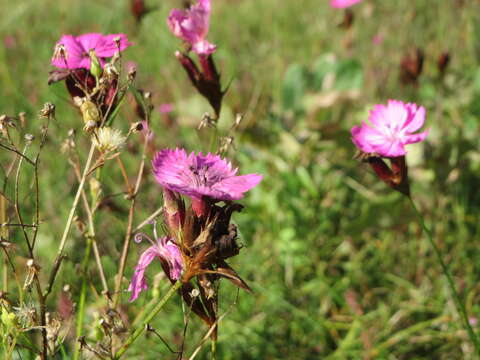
x,y
74,53
341,4
138,283
77,49
192,26
390,128
168,252
201,175
237,185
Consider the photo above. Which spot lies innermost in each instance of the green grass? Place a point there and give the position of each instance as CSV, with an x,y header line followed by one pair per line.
x,y
339,266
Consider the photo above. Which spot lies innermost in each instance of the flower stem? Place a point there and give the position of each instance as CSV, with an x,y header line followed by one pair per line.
x,y
456,298
83,294
68,225
145,321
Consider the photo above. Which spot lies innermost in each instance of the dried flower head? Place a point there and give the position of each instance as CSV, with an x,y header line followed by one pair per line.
x,y
192,25
73,52
201,175
390,128
107,139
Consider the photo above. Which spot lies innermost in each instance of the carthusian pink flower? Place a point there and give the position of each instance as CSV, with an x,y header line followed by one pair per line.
x,y
191,25
201,175
390,128
341,4
73,52
167,252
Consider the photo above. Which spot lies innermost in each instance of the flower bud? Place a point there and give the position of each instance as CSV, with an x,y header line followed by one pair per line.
x,y
95,66
174,209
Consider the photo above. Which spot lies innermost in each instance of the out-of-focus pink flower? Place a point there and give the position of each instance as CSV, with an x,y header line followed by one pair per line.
x,y
165,108
341,4
191,25
9,41
377,39
201,175
167,252
73,52
390,128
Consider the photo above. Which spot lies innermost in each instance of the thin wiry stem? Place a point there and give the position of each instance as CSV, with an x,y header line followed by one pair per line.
x,y
83,295
60,255
128,234
456,298
41,297
91,229
37,189
18,153
145,322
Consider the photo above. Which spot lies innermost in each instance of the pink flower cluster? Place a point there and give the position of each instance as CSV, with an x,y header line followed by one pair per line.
x,y
206,179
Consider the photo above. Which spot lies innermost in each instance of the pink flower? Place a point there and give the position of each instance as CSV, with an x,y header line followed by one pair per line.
x,y
201,175
165,108
192,26
341,4
73,52
391,127
167,252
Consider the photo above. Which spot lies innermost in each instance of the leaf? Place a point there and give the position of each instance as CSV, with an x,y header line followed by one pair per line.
x,y
227,272
349,75
293,88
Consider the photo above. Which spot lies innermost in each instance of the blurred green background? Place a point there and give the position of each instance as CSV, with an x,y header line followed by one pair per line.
x,y
339,266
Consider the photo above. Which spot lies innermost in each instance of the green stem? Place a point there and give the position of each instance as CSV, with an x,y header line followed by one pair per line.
x,y
81,302
456,298
150,316
214,349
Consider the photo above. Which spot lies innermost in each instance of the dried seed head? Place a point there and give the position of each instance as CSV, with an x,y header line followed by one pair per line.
x,y
132,73
207,121
5,122
29,138
136,127
32,271
23,118
111,71
67,146
60,52
108,139
90,125
48,111
225,144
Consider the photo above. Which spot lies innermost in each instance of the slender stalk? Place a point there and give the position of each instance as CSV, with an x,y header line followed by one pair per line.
x,y
145,321
83,295
456,298
214,349
124,174
91,230
68,225
4,235
38,286
128,234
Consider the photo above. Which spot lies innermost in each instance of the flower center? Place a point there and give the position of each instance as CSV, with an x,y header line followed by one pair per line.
x,y
199,175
